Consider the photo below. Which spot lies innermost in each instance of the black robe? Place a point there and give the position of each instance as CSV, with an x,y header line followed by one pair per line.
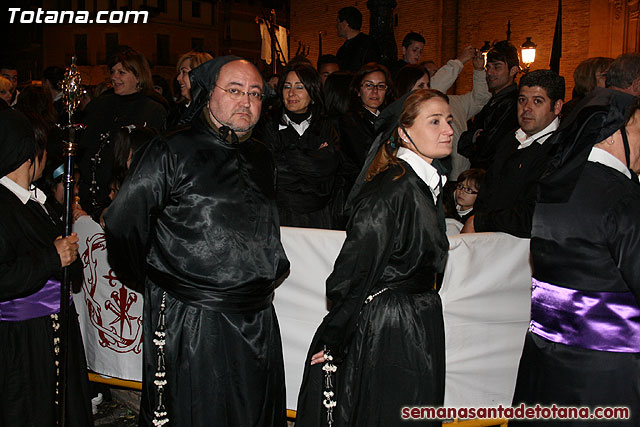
x,y
197,216
307,171
28,259
389,352
591,243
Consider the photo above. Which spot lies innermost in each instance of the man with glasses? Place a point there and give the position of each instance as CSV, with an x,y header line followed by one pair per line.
x,y
196,221
506,200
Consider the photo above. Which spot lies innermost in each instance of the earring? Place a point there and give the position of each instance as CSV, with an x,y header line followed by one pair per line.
x,y
611,141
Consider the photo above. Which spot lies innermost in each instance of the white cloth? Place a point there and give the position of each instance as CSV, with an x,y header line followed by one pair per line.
x,y
281,36
485,295
539,137
427,173
299,128
598,155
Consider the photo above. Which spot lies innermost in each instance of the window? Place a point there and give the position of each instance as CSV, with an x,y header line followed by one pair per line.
x,y
111,44
197,44
195,9
162,42
80,49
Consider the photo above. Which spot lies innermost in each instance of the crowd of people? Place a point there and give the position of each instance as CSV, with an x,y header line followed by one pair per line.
x,y
191,189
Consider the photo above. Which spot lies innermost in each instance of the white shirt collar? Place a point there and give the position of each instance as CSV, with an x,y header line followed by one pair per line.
x,y
539,137
598,155
299,128
21,193
424,170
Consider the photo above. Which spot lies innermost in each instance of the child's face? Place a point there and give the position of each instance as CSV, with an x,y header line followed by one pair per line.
x,y
463,198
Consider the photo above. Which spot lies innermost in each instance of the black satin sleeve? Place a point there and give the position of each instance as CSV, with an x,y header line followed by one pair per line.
x,y
130,217
364,255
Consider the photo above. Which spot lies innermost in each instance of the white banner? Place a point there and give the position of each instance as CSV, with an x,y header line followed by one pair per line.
x,y
486,297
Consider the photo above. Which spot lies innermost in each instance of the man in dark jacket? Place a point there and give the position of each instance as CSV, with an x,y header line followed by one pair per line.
x,y
506,200
498,117
359,49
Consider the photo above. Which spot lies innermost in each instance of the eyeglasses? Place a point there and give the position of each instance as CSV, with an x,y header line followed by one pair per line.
x,y
371,85
236,94
466,189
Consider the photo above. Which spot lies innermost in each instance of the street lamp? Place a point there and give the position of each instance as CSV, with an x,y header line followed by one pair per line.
x,y
528,53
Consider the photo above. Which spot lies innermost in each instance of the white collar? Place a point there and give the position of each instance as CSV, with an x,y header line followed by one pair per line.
x,y
539,137
598,155
299,128
21,193
425,171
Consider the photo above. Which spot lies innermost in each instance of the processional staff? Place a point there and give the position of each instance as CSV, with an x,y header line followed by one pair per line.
x,y
72,93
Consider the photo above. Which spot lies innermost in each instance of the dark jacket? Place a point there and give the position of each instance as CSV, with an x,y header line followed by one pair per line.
x,y
497,119
356,52
307,168
507,197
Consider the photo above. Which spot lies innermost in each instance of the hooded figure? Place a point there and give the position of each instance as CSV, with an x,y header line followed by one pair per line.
x,y
196,222
31,261
583,345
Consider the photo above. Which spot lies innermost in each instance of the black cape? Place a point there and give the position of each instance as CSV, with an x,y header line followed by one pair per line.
x,y
390,352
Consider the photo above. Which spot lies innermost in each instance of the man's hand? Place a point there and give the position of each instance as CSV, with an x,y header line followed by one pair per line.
x,y
468,226
67,248
478,60
467,54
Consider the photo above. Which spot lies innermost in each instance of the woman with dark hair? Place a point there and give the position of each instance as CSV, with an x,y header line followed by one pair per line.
x,y
304,146
131,102
371,91
337,94
412,77
32,256
381,347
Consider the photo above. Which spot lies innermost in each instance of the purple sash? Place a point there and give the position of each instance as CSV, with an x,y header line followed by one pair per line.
x,y
43,303
603,321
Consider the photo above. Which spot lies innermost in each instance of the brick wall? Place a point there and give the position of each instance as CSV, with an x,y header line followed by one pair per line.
x,y
449,25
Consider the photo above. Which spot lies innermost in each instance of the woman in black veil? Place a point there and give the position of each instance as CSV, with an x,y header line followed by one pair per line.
x,y
381,347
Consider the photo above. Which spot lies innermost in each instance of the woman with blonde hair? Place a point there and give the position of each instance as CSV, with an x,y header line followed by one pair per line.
x,y
381,347
186,63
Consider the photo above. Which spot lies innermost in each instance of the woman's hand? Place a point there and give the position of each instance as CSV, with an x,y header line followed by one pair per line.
x,y
67,248
318,358
77,212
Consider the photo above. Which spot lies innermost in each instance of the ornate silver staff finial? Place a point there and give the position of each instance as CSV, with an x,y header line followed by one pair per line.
x,y
72,90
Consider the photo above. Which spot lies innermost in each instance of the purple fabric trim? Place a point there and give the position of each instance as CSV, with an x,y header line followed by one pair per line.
x,y
603,321
43,303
